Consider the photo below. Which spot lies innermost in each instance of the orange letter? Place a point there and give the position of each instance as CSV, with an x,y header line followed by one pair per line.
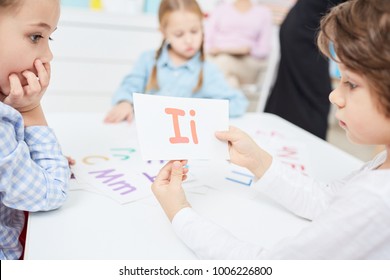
x,y
193,128
175,113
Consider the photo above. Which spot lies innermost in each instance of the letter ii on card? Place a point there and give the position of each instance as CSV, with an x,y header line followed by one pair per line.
x,y
178,139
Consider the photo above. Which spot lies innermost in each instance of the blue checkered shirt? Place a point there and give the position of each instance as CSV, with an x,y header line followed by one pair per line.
x,y
34,176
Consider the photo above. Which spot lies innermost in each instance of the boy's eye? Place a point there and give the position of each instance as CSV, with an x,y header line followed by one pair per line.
x,y
350,85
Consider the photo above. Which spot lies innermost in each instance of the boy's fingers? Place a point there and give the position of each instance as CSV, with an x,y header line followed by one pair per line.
x,y
222,135
177,173
164,172
231,135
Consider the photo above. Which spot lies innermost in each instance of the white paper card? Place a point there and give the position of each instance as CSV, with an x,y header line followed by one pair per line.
x,y
172,128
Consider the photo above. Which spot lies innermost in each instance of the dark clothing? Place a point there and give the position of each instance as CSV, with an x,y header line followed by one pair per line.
x,y
301,90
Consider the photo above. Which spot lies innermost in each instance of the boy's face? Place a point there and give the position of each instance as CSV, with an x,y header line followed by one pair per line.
x,y
24,36
184,32
358,110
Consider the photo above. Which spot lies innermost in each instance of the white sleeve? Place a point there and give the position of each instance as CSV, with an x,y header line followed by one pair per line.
x,y
355,226
209,241
296,192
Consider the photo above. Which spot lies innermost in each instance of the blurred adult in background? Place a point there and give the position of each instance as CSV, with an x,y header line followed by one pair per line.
x,y
238,40
302,86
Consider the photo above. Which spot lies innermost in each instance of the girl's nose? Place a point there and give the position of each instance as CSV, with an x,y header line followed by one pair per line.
x,y
188,39
47,55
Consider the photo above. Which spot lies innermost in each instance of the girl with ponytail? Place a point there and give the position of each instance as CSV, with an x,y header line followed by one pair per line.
x,y
178,67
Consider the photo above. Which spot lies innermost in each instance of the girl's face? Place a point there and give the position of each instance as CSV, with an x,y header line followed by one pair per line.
x,y
24,35
358,111
184,32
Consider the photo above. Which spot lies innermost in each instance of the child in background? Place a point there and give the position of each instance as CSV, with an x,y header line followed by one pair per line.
x,y
178,67
350,217
238,39
33,172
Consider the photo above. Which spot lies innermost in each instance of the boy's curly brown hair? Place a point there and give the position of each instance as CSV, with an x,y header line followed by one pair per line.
x,y
360,33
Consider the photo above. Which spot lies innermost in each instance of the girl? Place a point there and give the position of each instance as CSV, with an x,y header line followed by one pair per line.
x,y
33,171
178,67
350,217
238,39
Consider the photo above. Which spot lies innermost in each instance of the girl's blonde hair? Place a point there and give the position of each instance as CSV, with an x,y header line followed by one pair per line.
x,y
360,33
166,8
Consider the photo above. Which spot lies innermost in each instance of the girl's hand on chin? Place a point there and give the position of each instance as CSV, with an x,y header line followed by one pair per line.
x,y
25,98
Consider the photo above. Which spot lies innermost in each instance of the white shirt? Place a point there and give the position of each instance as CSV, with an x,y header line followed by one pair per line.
x,y
350,218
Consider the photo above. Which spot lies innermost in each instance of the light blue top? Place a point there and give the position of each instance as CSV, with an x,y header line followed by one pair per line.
x,y
179,81
34,176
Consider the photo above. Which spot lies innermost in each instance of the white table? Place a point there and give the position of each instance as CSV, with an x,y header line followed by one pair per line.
x,y
91,226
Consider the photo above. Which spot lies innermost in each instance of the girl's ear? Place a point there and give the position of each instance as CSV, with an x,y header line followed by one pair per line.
x,y
162,30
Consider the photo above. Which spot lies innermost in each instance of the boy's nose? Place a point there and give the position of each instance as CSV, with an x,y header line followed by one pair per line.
x,y
336,98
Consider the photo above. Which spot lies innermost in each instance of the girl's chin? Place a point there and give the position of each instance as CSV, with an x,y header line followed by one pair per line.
x,y
4,92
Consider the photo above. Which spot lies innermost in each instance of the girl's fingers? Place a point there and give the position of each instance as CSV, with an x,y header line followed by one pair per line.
x,y
129,118
16,89
117,114
43,72
34,85
110,117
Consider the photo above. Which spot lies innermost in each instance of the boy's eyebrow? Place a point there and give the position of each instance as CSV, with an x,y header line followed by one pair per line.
x,y
350,75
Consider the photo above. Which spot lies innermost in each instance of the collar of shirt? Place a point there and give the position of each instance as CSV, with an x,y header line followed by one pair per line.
x,y
192,64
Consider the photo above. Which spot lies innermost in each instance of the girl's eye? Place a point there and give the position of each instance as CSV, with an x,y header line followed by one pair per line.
x,y
35,38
